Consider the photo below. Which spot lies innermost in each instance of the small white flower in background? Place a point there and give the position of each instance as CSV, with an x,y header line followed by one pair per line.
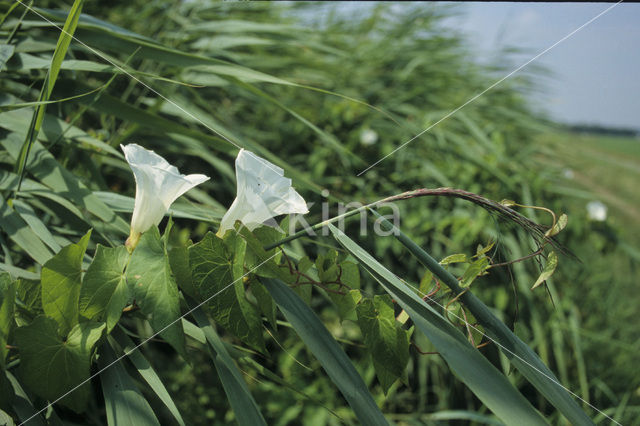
x,y
158,185
597,211
368,137
567,173
262,193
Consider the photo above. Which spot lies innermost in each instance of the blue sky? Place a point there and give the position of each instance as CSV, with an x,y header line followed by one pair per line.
x,y
595,73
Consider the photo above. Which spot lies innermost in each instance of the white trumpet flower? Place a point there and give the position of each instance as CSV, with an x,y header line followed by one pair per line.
x,y
158,185
262,193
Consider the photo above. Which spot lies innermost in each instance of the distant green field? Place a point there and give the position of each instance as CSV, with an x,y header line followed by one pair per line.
x,y
613,145
605,166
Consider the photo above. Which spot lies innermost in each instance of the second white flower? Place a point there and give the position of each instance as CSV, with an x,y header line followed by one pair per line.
x,y
262,193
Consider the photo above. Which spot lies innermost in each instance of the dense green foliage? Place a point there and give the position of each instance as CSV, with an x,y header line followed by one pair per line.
x,y
323,332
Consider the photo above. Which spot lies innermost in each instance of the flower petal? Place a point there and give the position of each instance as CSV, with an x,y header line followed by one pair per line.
x,y
158,185
262,193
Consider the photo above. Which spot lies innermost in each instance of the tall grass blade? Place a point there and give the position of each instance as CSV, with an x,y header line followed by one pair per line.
x,y
475,371
56,62
147,372
27,214
22,234
329,353
244,406
22,404
123,402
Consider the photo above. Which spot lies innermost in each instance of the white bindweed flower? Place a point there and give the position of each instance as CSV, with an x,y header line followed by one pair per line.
x,y
262,193
368,137
568,173
597,211
158,185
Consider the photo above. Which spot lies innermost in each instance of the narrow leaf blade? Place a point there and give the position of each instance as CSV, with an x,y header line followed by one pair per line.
x,y
482,378
244,406
333,359
147,372
123,402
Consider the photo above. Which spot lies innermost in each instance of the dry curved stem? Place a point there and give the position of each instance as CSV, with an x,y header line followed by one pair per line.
x,y
432,292
421,352
553,215
455,299
534,229
467,325
510,262
485,344
130,308
537,232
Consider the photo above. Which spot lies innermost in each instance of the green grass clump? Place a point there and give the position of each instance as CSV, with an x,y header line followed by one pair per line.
x,y
323,100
